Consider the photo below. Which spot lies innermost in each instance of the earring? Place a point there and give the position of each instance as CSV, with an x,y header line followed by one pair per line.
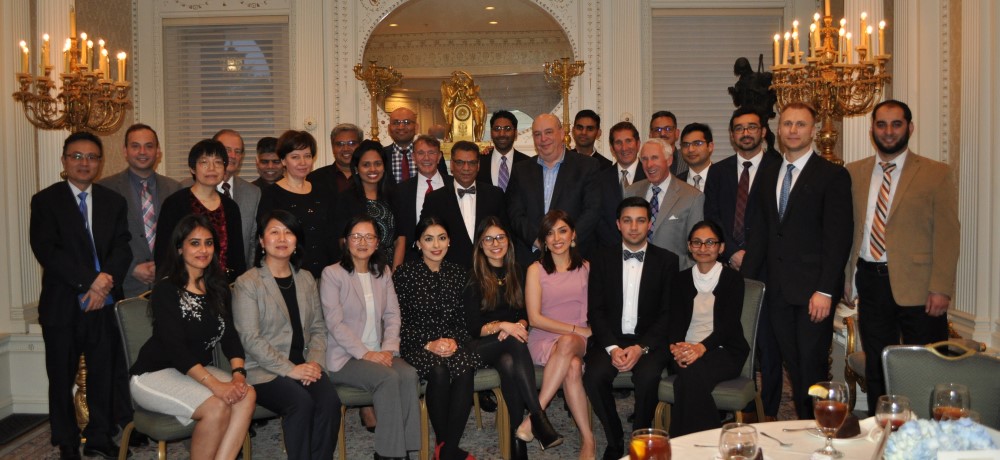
x,y
572,244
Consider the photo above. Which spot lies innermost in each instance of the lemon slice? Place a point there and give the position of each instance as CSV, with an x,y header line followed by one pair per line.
x,y
638,448
818,391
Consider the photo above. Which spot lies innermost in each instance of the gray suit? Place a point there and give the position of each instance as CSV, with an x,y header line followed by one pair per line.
x,y
121,184
682,206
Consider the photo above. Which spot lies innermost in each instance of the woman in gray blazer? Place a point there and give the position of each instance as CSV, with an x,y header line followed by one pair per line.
x,y
363,321
276,311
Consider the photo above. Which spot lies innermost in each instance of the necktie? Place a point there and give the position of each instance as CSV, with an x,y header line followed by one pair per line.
x,y
742,193
654,205
226,190
786,187
404,164
466,191
697,181
877,237
86,228
148,219
430,188
633,255
624,181
504,175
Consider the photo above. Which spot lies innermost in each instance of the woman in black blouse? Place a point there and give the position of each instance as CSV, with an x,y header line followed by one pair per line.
x,y
498,323
173,373
434,335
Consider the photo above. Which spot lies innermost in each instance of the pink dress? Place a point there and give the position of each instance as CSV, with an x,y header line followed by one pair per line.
x,y
564,298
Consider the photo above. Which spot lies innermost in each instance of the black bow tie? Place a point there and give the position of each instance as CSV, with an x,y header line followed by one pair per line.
x,y
636,255
467,191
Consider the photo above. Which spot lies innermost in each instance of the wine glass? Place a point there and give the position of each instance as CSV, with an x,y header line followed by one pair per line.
x,y
950,401
649,444
738,441
892,411
830,409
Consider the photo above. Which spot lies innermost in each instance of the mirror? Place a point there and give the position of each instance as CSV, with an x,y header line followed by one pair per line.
x,y
502,44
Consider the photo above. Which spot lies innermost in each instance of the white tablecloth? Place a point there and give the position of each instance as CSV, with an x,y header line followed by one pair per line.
x,y
803,443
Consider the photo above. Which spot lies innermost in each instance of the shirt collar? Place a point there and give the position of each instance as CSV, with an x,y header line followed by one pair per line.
x,y
562,157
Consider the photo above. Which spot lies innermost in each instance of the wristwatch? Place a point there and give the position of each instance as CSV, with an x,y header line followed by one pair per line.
x,y
240,370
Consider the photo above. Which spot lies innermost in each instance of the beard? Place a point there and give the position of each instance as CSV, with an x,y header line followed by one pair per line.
x,y
893,149
755,143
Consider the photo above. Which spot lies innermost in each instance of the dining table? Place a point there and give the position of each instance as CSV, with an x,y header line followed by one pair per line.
x,y
803,442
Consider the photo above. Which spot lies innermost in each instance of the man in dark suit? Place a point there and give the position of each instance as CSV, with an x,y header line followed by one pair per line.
x,y
463,204
802,235
497,163
245,194
79,234
624,140
731,196
402,130
586,132
410,196
269,168
628,300
663,125
696,150
557,179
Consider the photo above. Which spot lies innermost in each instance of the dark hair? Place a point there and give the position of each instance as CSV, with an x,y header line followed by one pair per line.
x,y
140,127
429,140
622,126
587,113
288,220
485,280
384,186
633,202
83,136
548,223
747,110
217,291
467,146
699,128
662,113
267,145
425,223
504,114
295,140
346,127
907,114
803,106
376,263
711,225
207,148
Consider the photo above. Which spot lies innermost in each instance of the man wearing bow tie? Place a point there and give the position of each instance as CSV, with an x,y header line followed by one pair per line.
x,y
628,304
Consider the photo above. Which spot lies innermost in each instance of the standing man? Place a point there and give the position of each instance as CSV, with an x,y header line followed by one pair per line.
x,y
628,300
696,148
501,158
410,195
269,169
402,130
906,243
802,236
675,205
624,140
344,138
464,203
731,197
79,234
246,196
586,133
556,179
663,125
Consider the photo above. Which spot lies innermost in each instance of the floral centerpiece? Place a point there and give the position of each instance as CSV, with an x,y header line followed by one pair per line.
x,y
922,439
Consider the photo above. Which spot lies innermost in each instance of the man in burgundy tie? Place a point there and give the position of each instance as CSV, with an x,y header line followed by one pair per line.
x,y
411,193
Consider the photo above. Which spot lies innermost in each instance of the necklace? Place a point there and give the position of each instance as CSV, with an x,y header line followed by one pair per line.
x,y
501,280
291,282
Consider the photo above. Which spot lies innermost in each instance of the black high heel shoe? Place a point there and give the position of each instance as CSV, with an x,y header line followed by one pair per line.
x,y
518,449
543,431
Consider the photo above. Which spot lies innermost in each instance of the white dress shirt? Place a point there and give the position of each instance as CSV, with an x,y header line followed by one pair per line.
x,y
799,164
703,174
630,171
436,182
754,167
631,277
90,205
876,184
467,205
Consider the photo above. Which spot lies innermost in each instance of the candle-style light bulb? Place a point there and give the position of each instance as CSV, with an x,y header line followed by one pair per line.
x,y
777,49
843,22
881,38
816,17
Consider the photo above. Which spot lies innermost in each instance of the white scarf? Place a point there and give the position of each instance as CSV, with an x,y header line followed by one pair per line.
x,y
706,282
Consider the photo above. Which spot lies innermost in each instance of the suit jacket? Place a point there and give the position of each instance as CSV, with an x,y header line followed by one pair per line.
x,y
345,314
605,293
612,194
720,197
178,205
727,330
443,203
573,193
921,230
247,197
602,161
60,242
261,317
404,205
682,207
387,150
121,184
486,172
806,251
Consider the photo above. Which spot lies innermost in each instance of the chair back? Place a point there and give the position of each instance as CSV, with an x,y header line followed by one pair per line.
x,y
135,324
753,298
913,370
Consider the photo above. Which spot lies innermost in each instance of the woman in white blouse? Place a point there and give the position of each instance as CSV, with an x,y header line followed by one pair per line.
x,y
705,336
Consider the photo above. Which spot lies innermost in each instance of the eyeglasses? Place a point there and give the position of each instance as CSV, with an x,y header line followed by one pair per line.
x,y
664,129
738,129
81,157
498,239
697,143
345,143
401,122
211,162
502,129
357,237
463,163
698,244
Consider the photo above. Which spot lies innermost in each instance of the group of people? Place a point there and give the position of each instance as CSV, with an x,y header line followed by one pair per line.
x,y
383,270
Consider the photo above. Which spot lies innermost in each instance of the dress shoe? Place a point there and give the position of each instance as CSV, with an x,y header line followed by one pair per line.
x,y
108,451
69,452
138,439
614,452
518,449
523,434
543,431
487,401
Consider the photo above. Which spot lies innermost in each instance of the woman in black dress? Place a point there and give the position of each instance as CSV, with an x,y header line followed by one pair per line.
x,y
498,323
434,335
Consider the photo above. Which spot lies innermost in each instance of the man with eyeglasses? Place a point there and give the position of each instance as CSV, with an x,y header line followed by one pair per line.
x,y
501,158
731,196
269,168
586,132
411,195
402,130
79,235
663,125
696,149
245,194
463,203
335,177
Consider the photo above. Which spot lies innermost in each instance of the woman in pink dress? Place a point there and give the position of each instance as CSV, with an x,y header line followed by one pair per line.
x,y
556,299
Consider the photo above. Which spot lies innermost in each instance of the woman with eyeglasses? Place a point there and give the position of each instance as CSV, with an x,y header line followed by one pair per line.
x,y
498,324
705,332
208,161
363,346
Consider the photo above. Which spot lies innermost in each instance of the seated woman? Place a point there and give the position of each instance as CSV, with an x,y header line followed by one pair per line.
x,y
556,300
362,333
430,298
173,372
498,323
705,334
277,314
208,160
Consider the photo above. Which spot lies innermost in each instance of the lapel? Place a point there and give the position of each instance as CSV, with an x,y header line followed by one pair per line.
x,y
670,198
563,177
161,193
802,182
132,198
358,293
617,287
272,290
67,200
455,211
906,177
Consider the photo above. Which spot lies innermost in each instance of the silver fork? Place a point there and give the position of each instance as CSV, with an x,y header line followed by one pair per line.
x,y
780,442
787,430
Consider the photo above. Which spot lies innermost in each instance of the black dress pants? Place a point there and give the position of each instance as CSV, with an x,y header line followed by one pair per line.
x,y
805,349
599,376
694,408
310,415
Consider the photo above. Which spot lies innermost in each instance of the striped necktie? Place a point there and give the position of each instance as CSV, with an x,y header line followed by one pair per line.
x,y
877,236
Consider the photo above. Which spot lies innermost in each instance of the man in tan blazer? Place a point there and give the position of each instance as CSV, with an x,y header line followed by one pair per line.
x,y
906,238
